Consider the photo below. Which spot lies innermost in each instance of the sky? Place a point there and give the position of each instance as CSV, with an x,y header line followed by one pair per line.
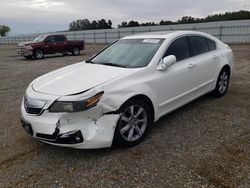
x,y
37,16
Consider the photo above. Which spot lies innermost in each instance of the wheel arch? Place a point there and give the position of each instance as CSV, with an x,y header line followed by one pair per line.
x,y
143,98
38,48
75,46
227,67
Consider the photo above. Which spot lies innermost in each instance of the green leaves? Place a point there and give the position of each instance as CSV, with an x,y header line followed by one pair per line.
x,y
4,29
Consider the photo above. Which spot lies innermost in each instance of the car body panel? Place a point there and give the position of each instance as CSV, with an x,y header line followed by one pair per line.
x,y
78,77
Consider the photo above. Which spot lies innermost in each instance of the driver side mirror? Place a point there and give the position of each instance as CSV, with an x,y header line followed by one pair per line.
x,y
166,62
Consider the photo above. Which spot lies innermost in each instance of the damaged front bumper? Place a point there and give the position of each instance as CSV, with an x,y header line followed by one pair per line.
x,y
83,130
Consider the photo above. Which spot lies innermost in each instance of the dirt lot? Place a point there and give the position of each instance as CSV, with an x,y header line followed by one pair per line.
x,y
204,144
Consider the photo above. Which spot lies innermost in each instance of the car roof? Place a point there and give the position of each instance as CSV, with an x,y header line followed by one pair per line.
x,y
165,34
47,35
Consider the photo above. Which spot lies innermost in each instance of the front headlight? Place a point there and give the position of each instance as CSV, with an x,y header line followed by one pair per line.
x,y
76,106
29,47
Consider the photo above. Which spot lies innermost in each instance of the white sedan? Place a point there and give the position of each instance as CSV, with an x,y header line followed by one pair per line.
x,y
114,97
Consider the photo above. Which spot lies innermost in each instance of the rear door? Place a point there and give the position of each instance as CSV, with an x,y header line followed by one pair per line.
x,y
203,50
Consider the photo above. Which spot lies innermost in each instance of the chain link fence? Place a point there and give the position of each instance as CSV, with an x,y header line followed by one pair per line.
x,y
228,31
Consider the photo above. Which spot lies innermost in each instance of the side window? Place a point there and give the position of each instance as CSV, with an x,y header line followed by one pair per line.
x,y
59,38
211,45
179,48
50,39
199,45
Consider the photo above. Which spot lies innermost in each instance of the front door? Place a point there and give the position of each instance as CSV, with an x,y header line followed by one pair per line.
x,y
177,84
49,46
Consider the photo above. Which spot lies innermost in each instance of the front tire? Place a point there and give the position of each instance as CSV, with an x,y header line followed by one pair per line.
x,y
38,54
133,124
222,83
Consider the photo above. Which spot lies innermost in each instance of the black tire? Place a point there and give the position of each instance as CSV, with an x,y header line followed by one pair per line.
x,y
76,51
29,57
137,126
38,54
222,83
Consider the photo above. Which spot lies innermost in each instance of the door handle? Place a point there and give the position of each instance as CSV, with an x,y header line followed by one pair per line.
x,y
191,65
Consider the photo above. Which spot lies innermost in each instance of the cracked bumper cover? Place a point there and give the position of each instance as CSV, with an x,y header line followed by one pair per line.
x,y
83,130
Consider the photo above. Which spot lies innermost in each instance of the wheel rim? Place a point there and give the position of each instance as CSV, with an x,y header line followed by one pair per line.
x,y
223,83
133,123
76,51
39,54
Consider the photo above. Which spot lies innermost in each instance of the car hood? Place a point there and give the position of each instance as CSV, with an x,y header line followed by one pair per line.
x,y
27,43
77,78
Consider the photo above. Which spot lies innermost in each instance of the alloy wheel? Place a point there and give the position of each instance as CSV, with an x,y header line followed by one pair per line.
x,y
76,51
133,123
39,54
223,83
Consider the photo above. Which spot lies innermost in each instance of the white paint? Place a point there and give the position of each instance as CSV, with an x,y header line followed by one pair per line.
x,y
167,89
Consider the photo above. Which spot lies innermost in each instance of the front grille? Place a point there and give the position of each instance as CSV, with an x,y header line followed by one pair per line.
x,y
34,107
20,46
34,111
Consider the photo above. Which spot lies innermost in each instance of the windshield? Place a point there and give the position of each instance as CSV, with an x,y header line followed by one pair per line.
x,y
130,53
40,38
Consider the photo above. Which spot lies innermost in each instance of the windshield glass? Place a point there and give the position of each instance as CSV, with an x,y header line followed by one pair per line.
x,y
40,38
130,53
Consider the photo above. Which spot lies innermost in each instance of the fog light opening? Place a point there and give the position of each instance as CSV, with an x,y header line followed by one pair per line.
x,y
72,137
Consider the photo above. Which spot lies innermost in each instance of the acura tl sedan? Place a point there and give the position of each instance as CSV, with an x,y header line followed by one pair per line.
x,y
114,97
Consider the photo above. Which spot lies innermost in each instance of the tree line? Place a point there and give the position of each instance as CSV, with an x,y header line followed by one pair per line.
x,y
85,24
240,15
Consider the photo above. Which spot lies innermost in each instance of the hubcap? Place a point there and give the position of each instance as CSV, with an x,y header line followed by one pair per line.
x,y
39,54
76,51
223,82
133,122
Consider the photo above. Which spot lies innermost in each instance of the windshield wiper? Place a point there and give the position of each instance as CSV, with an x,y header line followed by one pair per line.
x,y
89,61
113,64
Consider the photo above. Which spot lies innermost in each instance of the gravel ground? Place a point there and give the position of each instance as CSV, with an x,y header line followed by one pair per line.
x,y
204,144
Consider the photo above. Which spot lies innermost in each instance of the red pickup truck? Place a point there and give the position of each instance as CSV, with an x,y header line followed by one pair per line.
x,y
49,44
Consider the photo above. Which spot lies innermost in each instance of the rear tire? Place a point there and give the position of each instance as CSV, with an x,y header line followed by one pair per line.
x,y
38,54
133,124
222,83
76,51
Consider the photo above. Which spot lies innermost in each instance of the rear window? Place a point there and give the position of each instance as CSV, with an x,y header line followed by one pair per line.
x,y
179,48
199,45
211,45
